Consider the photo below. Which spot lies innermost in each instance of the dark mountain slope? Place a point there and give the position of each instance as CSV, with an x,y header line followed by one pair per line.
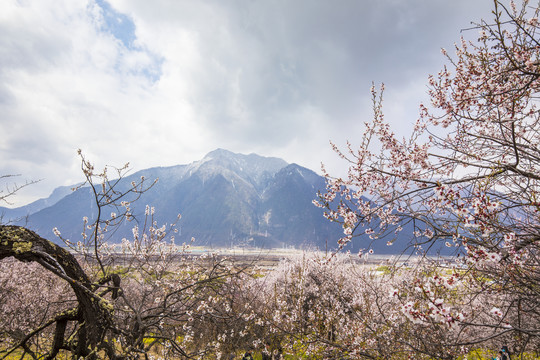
x,y
225,199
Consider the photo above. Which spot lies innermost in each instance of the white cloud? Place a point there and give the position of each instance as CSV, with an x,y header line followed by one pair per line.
x,y
272,77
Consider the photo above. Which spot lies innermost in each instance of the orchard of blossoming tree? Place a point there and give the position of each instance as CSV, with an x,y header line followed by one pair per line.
x,y
466,178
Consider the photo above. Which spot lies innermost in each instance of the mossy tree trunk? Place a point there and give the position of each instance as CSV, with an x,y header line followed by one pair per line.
x,y
93,313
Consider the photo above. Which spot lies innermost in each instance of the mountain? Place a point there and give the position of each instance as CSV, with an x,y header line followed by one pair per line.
x,y
24,211
225,199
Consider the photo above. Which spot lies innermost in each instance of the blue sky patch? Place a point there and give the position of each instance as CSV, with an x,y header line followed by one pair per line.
x,y
122,27
119,25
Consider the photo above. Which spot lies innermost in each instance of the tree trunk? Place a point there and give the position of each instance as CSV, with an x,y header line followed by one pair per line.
x,y
94,312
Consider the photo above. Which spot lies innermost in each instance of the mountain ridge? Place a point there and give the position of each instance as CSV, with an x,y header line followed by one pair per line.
x,y
225,199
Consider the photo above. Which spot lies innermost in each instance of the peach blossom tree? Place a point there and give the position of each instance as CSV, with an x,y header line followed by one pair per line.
x,y
467,177
138,297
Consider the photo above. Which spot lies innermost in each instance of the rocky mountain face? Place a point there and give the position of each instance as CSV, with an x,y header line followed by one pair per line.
x,y
225,199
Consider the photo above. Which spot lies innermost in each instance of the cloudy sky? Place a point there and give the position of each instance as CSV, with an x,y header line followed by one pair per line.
x,y
164,82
